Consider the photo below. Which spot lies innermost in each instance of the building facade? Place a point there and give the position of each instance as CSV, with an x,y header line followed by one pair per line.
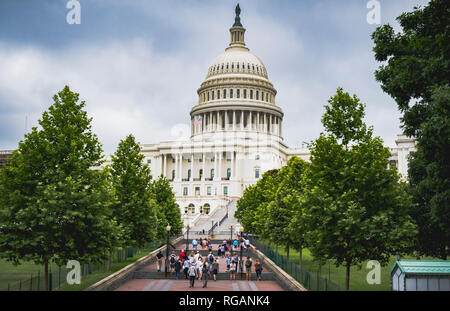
x,y
236,134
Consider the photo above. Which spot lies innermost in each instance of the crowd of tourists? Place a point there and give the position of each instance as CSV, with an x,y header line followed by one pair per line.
x,y
194,266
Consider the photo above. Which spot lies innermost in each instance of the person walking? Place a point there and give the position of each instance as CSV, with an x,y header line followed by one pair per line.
x,y
233,271
248,268
159,258
205,273
194,244
215,269
186,265
172,260
211,259
258,269
181,255
247,244
198,266
228,260
192,274
178,266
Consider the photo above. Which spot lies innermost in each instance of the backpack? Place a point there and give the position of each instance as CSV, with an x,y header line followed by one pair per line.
x,y
172,259
211,258
191,271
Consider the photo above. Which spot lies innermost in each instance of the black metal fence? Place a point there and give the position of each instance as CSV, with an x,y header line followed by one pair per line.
x,y
319,280
58,275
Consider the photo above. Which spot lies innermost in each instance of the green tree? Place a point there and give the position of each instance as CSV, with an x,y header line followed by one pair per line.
x,y
53,206
429,171
283,224
417,60
417,76
134,208
252,207
355,208
168,212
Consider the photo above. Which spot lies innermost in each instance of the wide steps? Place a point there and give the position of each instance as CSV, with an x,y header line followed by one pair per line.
x,y
265,276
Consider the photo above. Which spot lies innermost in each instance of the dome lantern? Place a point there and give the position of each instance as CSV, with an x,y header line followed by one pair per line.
x,y
237,31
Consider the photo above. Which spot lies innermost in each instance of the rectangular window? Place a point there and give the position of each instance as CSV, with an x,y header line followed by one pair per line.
x,y
257,173
225,190
209,190
149,161
185,191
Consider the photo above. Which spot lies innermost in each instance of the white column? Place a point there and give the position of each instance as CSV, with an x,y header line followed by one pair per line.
x,y
192,168
237,166
203,167
220,167
249,122
264,123
210,122
242,119
217,121
181,167
234,120
270,125
215,165
232,165
258,126
165,166
225,126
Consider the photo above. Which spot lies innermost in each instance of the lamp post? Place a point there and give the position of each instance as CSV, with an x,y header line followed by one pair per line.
x,y
167,248
240,246
231,239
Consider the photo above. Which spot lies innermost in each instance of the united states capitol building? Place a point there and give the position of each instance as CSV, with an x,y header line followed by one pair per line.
x,y
236,136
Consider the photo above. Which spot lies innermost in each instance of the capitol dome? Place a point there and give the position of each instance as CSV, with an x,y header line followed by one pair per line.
x,y
236,95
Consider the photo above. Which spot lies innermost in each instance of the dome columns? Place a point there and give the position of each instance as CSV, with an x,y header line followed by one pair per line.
x,y
231,120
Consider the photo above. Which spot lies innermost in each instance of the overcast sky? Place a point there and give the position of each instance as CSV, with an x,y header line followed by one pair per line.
x,y
138,63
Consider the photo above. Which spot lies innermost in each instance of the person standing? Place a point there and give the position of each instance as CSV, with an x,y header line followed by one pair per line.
x,y
159,258
258,269
248,268
205,272
192,274
194,244
233,271
228,262
187,264
178,267
215,269
182,256
247,244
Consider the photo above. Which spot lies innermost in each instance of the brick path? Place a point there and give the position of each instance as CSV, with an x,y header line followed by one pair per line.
x,y
183,285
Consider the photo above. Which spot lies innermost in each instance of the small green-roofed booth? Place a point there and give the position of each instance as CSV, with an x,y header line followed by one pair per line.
x,y
421,275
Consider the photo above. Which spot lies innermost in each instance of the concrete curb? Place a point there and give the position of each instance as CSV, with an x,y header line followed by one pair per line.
x,y
284,279
116,279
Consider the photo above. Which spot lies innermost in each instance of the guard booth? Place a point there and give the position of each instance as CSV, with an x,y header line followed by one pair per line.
x,y
421,275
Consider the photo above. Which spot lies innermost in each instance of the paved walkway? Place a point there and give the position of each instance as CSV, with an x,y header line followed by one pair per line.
x,y
183,285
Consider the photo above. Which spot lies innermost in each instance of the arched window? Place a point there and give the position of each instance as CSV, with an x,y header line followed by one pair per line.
x,y
218,94
231,93
257,95
238,93
208,96
262,96
245,93
267,97
224,94
212,94
251,94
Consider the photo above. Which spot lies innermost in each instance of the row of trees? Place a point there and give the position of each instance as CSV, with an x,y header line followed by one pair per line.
x,y
344,205
55,207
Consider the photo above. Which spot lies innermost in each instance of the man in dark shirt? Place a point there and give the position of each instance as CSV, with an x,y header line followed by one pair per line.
x,y
159,258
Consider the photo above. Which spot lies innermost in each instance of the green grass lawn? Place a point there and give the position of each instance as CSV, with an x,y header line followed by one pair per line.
x,y
358,280
10,274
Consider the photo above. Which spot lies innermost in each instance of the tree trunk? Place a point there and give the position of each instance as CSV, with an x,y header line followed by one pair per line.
x,y
347,277
109,261
300,258
46,275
